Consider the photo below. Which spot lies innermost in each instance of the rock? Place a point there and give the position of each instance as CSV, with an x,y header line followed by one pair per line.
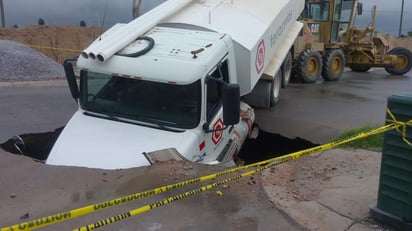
x,y
21,63
25,216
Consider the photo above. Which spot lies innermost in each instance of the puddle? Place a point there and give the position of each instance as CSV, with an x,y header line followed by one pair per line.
x,y
266,146
34,145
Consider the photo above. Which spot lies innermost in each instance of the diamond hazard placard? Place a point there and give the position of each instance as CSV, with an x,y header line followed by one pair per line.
x,y
260,57
217,135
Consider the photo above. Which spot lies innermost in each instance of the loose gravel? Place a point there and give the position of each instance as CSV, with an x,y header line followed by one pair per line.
x,y
21,63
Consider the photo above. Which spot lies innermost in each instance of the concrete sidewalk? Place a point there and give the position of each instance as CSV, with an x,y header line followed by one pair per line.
x,y
332,190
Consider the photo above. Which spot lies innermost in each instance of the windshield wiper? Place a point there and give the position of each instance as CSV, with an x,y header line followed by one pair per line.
x,y
143,121
105,115
162,124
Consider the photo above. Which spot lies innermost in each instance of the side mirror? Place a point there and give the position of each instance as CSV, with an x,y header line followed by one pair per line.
x,y
359,8
71,79
231,104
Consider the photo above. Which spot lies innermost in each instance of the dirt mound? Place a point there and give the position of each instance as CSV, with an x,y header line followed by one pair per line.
x,y
70,40
56,42
327,191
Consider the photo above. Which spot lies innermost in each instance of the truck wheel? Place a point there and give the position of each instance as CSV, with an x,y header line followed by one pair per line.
x,y
359,67
308,66
287,70
403,64
333,65
275,88
265,94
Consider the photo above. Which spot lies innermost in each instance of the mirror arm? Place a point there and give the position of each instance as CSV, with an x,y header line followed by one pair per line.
x,y
208,78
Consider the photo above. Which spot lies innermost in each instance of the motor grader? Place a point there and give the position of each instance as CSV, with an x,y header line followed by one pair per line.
x,y
329,41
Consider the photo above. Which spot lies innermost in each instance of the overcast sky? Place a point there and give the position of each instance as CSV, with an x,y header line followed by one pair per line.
x,y
57,12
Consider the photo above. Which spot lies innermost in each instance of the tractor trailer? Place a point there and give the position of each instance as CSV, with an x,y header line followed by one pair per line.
x,y
178,82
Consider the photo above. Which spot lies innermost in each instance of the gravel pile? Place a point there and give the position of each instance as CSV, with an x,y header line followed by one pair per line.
x,y
20,63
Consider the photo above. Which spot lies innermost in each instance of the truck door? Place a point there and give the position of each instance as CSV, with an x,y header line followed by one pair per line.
x,y
217,138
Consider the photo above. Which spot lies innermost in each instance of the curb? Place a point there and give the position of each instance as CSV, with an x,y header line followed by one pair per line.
x,y
40,83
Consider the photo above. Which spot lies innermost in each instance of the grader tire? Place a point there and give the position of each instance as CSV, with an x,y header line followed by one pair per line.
x,y
404,62
308,66
359,67
333,65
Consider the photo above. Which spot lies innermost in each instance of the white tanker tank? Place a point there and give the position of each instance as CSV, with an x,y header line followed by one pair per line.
x,y
182,78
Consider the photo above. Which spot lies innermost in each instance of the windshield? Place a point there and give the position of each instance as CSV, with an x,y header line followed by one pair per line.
x,y
151,102
343,12
318,11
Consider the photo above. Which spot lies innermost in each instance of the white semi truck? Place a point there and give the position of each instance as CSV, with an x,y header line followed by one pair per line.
x,y
180,81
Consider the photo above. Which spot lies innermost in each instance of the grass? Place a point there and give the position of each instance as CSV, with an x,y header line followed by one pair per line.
x,y
373,143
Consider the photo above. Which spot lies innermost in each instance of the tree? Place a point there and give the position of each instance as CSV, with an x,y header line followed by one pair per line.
x,y
41,22
82,23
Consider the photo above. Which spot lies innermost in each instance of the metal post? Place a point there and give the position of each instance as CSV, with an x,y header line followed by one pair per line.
x,y
400,24
3,21
136,8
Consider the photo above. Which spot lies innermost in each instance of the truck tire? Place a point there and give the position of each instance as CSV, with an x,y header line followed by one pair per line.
x,y
275,88
266,92
359,67
287,70
404,61
333,65
308,66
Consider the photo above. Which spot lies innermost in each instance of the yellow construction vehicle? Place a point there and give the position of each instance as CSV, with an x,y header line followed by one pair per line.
x,y
329,41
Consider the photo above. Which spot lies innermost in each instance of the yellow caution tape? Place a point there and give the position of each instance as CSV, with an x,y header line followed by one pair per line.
x,y
50,48
268,164
401,124
54,48
57,218
169,200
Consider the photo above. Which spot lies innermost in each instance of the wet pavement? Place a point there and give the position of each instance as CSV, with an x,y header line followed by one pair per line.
x,y
321,111
34,107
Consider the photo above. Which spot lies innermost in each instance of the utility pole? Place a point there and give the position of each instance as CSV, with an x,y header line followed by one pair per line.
x,y
400,24
136,8
3,21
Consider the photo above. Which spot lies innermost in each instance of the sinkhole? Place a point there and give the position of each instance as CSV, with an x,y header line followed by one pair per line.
x,y
270,145
34,145
267,145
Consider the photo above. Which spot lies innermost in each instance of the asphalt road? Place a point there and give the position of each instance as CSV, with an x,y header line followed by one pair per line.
x,y
316,112
321,111
34,107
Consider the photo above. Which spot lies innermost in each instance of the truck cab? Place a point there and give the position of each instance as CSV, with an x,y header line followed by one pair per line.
x,y
173,96
328,19
175,81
